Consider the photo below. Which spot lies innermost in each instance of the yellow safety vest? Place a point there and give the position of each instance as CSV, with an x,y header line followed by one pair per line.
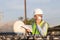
x,y
35,30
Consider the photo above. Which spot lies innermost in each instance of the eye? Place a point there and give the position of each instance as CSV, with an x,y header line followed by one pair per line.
x,y
34,15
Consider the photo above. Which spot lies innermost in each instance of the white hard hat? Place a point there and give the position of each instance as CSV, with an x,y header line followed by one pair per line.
x,y
38,11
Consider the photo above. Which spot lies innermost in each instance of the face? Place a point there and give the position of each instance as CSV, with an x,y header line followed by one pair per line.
x,y
38,17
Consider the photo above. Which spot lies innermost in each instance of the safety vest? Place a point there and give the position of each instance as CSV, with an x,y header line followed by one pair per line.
x,y
34,28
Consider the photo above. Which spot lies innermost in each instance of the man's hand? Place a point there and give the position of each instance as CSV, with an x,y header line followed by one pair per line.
x,y
28,30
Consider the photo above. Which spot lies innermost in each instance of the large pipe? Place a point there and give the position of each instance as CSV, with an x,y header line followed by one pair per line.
x,y
25,11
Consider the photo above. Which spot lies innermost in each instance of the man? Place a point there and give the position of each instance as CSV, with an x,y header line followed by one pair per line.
x,y
39,27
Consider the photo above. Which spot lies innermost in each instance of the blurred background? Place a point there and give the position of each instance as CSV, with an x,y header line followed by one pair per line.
x,y
13,10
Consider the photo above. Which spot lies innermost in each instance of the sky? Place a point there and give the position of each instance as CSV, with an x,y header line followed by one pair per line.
x,y
12,9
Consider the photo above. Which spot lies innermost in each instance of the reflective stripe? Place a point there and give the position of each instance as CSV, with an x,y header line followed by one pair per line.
x,y
46,25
